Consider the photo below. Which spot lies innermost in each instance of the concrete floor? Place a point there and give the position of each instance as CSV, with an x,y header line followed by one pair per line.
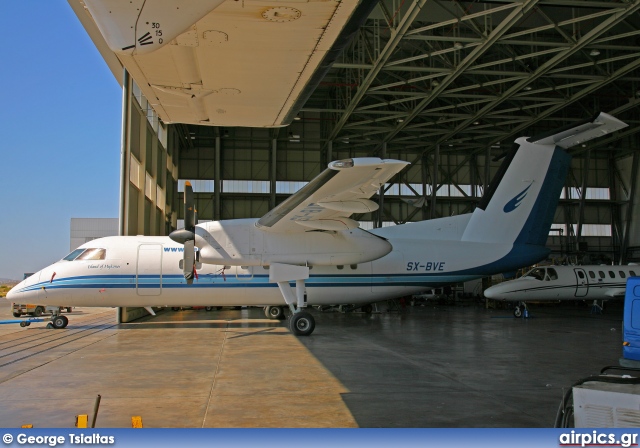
x,y
430,366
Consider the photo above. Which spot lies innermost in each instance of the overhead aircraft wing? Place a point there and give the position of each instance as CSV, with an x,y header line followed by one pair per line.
x,y
225,62
327,201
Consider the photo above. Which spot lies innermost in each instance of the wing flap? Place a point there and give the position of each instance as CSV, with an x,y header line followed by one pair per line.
x,y
342,189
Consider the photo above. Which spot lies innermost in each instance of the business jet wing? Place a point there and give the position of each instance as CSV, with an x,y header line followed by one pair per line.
x,y
224,62
327,201
615,293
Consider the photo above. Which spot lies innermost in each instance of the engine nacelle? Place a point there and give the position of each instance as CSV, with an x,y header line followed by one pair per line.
x,y
241,243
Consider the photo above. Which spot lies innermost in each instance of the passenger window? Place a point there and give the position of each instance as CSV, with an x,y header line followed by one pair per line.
x,y
612,274
622,274
553,275
580,274
93,254
592,274
601,273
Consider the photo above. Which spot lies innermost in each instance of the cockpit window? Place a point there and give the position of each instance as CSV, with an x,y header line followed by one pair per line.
x,y
93,254
552,274
73,255
537,273
86,254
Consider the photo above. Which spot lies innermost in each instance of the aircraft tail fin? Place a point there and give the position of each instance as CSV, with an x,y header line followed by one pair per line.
x,y
520,203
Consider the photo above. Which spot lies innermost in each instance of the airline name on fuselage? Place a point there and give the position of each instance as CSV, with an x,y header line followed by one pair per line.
x,y
425,266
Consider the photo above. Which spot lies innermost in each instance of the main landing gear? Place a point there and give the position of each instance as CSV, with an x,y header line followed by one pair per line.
x,y
274,312
300,322
58,321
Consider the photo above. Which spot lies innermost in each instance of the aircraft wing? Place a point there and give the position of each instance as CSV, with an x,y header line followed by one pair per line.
x,y
225,62
615,293
327,201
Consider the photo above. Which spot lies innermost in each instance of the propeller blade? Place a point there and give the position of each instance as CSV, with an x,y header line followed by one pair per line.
x,y
189,207
188,264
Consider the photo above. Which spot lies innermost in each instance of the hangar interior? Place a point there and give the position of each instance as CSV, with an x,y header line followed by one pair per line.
x,y
445,85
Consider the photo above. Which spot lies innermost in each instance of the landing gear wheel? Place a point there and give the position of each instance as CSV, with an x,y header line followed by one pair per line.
x,y
517,312
38,311
69,309
367,309
274,312
59,322
23,323
208,308
302,323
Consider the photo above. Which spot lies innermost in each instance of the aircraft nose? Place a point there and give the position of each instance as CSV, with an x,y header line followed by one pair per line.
x,y
493,292
11,294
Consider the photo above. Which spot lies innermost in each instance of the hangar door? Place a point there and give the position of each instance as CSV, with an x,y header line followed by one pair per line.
x,y
149,270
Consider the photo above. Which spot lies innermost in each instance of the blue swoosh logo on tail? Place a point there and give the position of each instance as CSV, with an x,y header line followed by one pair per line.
x,y
516,201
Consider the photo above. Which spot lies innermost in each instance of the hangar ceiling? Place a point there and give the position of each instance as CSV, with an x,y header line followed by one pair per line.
x,y
471,75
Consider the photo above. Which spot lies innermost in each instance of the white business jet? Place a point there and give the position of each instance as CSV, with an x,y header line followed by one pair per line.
x,y
310,241
556,283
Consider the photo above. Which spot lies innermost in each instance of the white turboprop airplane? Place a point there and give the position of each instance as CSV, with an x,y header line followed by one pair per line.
x,y
310,240
555,283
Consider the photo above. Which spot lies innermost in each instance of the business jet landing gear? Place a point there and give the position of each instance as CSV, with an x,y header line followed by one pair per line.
x,y
274,312
58,321
301,323
521,310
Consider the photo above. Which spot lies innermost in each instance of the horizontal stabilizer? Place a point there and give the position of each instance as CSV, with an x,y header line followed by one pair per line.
x,y
584,131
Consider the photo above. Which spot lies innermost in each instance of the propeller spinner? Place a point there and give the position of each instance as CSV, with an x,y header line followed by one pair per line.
x,y
187,235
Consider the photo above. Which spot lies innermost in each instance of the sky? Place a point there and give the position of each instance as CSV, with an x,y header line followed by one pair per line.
x,y
60,120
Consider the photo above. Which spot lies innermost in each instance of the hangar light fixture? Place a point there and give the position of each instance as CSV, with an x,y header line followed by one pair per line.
x,y
594,52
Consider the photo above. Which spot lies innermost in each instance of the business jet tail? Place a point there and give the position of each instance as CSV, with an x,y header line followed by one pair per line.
x,y
520,203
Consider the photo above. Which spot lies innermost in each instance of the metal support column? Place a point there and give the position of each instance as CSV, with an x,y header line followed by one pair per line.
x,y
272,173
425,173
383,156
329,151
583,194
217,182
124,152
630,208
434,182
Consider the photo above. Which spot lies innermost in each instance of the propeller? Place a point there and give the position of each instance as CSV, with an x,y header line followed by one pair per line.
x,y
187,235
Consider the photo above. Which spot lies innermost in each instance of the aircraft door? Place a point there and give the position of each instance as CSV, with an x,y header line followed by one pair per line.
x,y
149,270
582,282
